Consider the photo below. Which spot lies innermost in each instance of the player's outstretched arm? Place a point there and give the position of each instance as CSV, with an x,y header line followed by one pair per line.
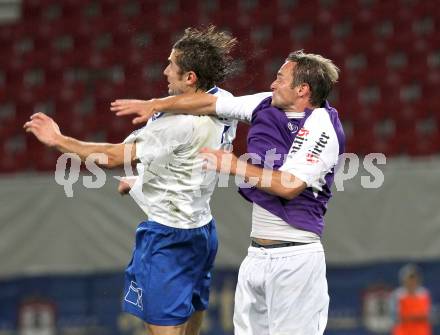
x,y
46,130
191,103
279,183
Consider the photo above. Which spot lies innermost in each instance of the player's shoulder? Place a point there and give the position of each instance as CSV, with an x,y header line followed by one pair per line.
x,y
220,92
319,118
177,119
423,291
320,112
169,123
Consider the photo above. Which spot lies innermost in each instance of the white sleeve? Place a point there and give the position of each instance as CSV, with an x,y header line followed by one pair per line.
x,y
315,150
160,138
239,108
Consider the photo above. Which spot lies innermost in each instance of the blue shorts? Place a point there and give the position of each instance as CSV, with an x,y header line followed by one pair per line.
x,y
169,276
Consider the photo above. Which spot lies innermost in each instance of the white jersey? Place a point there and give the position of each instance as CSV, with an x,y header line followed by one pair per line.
x,y
173,190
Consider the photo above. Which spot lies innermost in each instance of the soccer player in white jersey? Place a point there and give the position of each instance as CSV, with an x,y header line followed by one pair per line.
x,y
168,279
295,138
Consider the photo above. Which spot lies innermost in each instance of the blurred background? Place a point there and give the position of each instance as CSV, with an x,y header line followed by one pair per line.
x,y
62,258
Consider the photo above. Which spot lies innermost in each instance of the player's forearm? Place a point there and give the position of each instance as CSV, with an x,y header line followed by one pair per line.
x,y
282,184
191,103
113,154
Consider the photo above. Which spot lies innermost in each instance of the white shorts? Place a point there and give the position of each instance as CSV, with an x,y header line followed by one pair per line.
x,y
282,291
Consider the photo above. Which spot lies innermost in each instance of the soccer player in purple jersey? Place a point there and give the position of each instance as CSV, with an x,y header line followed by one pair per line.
x,y
295,140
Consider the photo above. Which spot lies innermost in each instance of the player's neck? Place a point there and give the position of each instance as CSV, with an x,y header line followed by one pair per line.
x,y
299,107
190,90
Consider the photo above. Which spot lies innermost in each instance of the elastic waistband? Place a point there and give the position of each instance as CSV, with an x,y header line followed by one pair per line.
x,y
152,224
277,245
262,252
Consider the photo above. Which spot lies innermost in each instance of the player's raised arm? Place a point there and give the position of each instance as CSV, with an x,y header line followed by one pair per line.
x,y
200,103
194,103
46,130
279,183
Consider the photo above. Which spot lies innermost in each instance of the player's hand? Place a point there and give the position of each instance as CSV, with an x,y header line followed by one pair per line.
x,y
123,187
144,109
44,128
218,160
125,184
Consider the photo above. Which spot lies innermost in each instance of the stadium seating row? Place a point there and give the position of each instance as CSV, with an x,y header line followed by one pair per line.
x,y
71,58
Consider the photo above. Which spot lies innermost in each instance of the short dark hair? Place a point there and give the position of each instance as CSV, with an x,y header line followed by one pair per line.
x,y
318,72
207,52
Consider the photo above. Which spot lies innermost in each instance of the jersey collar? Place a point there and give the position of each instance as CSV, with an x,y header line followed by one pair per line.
x,y
213,90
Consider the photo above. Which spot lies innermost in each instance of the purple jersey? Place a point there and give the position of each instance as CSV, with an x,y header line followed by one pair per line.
x,y
308,148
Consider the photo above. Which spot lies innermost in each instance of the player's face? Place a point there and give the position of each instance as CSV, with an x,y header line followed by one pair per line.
x,y
283,94
177,83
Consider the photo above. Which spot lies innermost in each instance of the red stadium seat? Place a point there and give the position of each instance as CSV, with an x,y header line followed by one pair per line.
x,y
13,150
13,161
33,9
423,145
240,142
44,158
388,146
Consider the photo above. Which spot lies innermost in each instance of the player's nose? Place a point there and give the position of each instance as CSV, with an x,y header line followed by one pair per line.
x,y
165,71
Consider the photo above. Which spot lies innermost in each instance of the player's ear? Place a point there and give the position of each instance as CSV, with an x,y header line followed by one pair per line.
x,y
191,77
303,89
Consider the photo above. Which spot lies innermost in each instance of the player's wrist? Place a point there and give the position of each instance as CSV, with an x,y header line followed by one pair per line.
x,y
57,141
160,105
